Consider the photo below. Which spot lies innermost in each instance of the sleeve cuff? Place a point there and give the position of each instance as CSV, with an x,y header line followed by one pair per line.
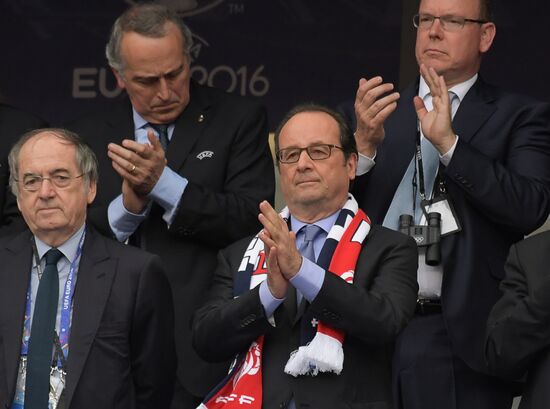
x,y
446,158
309,279
269,302
364,164
123,223
168,192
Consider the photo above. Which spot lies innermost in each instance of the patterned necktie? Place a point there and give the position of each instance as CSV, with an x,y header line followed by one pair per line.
x,y
39,359
162,130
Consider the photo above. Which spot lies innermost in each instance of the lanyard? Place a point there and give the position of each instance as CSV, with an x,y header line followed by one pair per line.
x,y
67,299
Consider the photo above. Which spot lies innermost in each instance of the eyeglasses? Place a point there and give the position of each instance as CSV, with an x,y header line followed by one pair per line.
x,y
315,152
448,22
32,183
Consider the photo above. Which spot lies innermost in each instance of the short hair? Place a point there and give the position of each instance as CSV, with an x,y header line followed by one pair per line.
x,y
148,20
486,10
347,139
86,160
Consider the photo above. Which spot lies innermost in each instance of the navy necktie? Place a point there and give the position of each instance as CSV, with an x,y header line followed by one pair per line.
x,y
162,130
39,359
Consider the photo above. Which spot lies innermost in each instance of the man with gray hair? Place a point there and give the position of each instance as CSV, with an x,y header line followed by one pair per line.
x,y
85,322
184,169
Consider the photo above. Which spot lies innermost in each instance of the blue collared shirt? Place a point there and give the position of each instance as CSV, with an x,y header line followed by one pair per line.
x,y
167,192
310,276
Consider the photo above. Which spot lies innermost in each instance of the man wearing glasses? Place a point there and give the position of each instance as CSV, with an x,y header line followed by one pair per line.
x,y
85,322
318,280
482,161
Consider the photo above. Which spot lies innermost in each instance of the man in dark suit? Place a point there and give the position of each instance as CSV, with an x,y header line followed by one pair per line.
x,y
13,124
518,334
185,191
491,163
359,284
85,322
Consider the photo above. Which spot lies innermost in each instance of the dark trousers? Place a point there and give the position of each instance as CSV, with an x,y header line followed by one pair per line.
x,y
183,399
427,375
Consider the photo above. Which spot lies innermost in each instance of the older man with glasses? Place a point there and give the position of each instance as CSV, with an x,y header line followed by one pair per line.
x,y
476,158
85,322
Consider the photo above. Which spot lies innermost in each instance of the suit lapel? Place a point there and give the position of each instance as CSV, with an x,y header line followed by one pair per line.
x,y
121,120
94,280
188,128
15,282
474,110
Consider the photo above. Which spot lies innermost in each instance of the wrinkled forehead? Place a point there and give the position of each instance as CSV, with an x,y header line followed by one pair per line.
x,y
47,149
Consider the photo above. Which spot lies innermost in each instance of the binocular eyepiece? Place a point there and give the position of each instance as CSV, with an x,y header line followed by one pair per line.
x,y
428,236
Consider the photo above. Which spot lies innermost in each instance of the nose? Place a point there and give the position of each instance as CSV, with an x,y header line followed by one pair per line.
x,y
164,90
47,189
436,29
304,161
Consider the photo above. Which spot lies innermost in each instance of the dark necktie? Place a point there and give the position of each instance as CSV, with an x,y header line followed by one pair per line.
x,y
162,130
39,359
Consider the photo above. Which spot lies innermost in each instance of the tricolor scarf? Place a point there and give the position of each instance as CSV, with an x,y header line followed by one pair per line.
x,y
243,385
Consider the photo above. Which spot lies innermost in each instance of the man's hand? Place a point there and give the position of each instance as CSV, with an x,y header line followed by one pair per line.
x,y
436,124
276,282
280,241
139,164
131,201
372,108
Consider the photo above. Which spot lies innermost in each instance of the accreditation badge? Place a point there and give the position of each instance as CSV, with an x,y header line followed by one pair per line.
x,y
19,398
57,385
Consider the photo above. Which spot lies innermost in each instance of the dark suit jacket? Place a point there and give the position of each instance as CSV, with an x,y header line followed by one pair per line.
x,y
121,349
518,330
372,311
218,207
13,124
499,183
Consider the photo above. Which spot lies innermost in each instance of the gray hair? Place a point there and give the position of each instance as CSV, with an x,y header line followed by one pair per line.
x,y
86,160
148,20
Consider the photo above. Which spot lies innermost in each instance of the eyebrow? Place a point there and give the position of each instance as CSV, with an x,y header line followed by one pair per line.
x,y
156,77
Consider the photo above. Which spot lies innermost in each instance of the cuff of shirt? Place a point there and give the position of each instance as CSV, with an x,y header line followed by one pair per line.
x,y
364,164
123,223
309,279
269,302
446,158
167,193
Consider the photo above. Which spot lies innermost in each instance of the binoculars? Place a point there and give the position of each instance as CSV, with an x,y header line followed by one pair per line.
x,y
425,236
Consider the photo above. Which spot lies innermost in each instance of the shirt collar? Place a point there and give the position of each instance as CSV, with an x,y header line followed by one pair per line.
x,y
460,90
139,122
69,248
325,224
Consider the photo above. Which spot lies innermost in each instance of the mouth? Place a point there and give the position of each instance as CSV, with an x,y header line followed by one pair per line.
x,y
434,52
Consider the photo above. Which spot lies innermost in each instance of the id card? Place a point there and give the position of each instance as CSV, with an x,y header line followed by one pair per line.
x,y
449,221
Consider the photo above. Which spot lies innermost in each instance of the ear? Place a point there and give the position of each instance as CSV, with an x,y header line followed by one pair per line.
x,y
351,166
488,32
92,189
119,79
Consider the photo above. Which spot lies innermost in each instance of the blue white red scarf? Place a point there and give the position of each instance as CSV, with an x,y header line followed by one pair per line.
x,y
243,385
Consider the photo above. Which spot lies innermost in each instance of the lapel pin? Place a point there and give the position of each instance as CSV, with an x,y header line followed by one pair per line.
x,y
201,117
